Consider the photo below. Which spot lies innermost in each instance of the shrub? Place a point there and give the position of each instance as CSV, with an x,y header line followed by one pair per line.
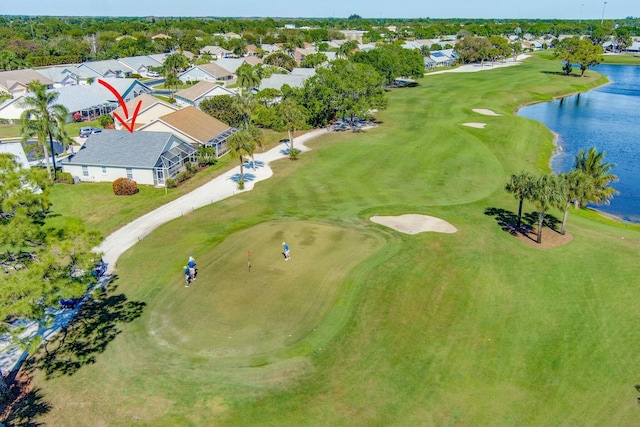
x,y
191,168
124,187
240,184
65,177
183,176
293,154
105,120
170,183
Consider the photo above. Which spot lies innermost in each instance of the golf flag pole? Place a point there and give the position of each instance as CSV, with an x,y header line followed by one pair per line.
x,y
249,261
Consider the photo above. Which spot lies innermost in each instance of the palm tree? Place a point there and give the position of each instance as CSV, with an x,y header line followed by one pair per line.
x,y
520,186
258,141
172,64
44,119
592,164
294,117
547,191
248,77
576,186
241,144
245,103
345,49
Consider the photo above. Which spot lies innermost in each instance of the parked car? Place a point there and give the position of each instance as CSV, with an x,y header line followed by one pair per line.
x,y
153,74
86,131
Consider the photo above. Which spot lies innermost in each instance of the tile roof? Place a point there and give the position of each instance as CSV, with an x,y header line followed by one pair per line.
x,y
147,102
195,123
10,78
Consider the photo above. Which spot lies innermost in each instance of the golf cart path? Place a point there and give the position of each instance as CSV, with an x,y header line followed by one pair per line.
x,y
219,188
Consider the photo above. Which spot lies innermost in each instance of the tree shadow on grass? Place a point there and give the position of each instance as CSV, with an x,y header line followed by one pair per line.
x,y
23,404
508,221
80,342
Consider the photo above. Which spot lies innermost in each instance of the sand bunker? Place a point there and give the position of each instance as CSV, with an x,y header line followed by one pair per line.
x,y
475,125
414,223
485,112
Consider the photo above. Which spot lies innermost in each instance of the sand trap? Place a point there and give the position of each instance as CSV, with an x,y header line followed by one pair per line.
x,y
414,223
475,125
485,112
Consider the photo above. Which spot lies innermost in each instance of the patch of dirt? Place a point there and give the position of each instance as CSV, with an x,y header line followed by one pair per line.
x,y
550,238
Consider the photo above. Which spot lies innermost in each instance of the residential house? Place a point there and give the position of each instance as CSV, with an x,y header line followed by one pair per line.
x,y
634,47
107,68
200,91
125,36
353,35
148,158
90,101
140,64
294,79
151,108
160,36
16,150
210,72
216,52
158,57
195,127
61,76
15,82
442,59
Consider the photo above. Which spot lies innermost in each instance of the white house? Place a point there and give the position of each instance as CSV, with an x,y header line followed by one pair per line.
x,y
200,91
151,108
146,157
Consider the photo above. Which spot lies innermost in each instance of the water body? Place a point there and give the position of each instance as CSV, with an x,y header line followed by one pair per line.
x,y
606,118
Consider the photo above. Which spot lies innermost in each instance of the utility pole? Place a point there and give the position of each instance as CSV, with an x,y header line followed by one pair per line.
x,y
581,9
603,8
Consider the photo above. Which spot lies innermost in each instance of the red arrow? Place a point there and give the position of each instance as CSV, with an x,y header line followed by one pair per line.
x,y
124,107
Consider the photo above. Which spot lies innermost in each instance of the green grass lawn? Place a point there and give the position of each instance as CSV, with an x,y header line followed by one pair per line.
x,y
471,328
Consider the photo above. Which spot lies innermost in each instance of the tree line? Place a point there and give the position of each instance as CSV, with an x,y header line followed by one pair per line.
x,y
38,41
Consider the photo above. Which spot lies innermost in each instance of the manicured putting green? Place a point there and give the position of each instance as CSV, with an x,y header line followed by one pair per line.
x,y
233,311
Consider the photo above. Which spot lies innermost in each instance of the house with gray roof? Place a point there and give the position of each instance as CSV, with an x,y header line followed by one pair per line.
x,y
211,72
216,52
140,64
107,68
149,158
200,91
61,76
90,101
16,150
295,78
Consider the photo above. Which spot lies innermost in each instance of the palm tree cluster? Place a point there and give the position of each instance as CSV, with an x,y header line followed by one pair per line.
x,y
588,182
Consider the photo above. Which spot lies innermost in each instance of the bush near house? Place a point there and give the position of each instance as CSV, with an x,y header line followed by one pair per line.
x,y
124,187
65,177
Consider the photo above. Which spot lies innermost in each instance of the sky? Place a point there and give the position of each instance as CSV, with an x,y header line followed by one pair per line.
x,y
515,9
